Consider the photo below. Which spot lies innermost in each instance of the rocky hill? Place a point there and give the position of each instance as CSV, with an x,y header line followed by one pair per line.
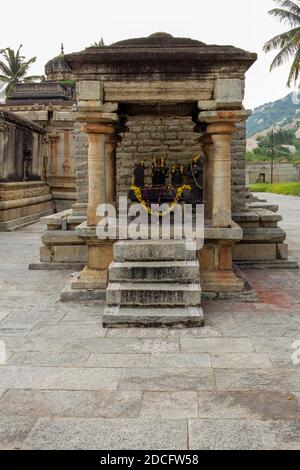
x,y
283,113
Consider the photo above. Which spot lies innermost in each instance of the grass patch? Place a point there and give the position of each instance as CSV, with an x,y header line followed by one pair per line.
x,y
287,189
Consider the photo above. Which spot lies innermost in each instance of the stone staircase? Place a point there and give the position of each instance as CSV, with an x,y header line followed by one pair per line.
x,y
153,284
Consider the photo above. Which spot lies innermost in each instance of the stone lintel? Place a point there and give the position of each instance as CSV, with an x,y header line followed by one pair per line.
x,y
224,116
235,233
96,117
97,105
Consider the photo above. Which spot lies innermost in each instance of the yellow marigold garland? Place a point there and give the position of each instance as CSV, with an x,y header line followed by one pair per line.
x,y
138,194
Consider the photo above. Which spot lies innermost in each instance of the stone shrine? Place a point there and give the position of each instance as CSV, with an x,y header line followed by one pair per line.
x,y
151,98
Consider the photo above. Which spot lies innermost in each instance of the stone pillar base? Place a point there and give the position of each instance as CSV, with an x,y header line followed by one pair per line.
x,y
221,281
91,282
215,258
90,279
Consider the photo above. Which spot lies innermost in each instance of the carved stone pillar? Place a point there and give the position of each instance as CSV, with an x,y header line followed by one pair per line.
x,y
54,138
99,151
101,163
110,169
221,173
208,148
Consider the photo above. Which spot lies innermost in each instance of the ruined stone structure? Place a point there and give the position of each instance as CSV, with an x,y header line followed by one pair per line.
x,y
261,172
51,105
24,196
160,97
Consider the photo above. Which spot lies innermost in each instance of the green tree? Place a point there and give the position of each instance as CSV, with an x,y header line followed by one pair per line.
x,y
100,43
288,43
14,68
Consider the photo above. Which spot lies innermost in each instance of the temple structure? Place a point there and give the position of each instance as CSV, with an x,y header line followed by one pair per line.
x,y
51,104
24,195
158,111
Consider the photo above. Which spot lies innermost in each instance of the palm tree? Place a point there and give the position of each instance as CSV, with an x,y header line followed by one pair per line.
x,y
100,43
14,68
288,43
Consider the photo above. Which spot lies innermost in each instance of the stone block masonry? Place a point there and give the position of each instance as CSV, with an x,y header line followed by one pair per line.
x,y
81,164
170,137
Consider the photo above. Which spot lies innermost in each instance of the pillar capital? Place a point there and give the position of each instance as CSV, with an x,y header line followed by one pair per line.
x,y
224,116
95,128
220,128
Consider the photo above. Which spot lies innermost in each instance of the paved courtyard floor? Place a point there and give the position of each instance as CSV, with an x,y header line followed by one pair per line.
x,y
70,384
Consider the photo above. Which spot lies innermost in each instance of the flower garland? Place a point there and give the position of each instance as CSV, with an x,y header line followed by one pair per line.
x,y
138,194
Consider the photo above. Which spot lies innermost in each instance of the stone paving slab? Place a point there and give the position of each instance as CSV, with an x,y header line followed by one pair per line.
x,y
205,332
59,378
232,383
44,358
271,379
30,319
13,431
216,345
249,328
180,360
275,344
167,379
221,434
119,360
129,345
70,331
166,405
255,405
113,434
241,361
68,404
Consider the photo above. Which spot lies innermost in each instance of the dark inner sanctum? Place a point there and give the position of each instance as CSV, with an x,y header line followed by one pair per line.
x,y
166,181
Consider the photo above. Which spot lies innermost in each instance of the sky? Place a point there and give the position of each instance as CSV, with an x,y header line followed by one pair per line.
x,y
42,26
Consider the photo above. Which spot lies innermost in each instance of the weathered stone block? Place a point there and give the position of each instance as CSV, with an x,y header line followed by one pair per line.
x,y
229,93
254,252
89,90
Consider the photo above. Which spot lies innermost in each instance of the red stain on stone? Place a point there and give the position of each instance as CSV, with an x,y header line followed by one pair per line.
x,y
275,288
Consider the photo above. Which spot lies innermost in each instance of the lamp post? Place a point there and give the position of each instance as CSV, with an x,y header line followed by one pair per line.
x,y
272,156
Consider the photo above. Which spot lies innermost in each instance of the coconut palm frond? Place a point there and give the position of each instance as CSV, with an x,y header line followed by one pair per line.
x,y
285,15
285,54
295,70
292,6
288,43
4,69
282,40
14,68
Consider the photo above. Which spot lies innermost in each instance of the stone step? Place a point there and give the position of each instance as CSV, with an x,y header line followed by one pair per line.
x,y
118,317
151,294
158,271
153,250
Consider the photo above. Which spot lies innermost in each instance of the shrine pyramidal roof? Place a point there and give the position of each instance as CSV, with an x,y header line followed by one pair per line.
x,y
160,48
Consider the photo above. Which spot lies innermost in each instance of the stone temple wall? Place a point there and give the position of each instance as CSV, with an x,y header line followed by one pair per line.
x,y
18,138
238,172
81,164
24,196
168,137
